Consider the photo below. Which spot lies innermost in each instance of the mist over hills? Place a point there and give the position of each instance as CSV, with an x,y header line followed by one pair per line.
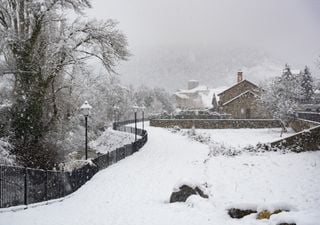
x,y
171,68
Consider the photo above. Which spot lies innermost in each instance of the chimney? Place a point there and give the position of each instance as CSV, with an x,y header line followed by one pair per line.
x,y
240,76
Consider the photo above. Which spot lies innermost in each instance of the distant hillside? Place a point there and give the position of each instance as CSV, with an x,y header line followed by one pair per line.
x,y
171,69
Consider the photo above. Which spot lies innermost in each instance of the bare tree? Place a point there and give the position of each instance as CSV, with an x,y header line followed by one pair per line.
x,y
38,46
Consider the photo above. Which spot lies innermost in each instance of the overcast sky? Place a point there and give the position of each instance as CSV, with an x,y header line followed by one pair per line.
x,y
287,28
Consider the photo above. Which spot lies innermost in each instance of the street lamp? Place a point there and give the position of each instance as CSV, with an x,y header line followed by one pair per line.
x,y
135,109
143,108
116,119
116,110
85,109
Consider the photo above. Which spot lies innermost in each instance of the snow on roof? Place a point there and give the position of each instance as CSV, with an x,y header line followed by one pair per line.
x,y
207,98
295,72
183,96
231,100
194,90
236,85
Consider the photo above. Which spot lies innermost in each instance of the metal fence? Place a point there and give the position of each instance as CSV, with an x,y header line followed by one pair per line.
x,y
23,186
313,116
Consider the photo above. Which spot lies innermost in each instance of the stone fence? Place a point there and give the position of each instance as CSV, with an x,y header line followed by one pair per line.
x,y
301,124
306,140
216,123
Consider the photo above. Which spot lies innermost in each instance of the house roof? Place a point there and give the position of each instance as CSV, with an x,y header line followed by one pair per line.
x,y
237,85
193,90
243,93
296,72
182,96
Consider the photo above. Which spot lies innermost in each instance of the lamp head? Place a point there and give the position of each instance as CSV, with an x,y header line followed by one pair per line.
x,y
85,108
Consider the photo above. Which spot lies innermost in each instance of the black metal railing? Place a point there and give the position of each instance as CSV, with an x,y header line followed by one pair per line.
x,y
23,186
312,116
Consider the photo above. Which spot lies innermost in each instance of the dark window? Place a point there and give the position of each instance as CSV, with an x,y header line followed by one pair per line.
x,y
248,113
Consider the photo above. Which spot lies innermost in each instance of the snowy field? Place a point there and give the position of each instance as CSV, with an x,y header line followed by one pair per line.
x,y
244,137
136,191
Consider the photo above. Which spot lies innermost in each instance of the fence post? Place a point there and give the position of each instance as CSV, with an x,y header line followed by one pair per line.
x,y
26,186
63,182
46,186
1,188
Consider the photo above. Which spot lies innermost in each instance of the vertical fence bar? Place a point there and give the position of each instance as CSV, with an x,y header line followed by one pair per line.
x,y
26,186
1,187
46,186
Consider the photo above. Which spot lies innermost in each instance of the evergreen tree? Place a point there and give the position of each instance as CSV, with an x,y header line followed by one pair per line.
x,y
307,86
287,73
281,95
214,102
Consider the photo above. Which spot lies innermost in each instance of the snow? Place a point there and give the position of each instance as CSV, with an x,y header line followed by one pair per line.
x,y
240,138
136,190
183,96
111,140
5,156
199,88
296,72
207,98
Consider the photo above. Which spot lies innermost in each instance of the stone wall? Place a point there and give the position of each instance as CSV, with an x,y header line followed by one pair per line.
x,y
307,140
300,124
216,124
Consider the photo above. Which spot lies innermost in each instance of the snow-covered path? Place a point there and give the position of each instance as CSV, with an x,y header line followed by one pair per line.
x,y
136,190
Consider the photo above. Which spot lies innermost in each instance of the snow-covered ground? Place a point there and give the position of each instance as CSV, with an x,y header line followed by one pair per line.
x,y
244,137
136,190
110,140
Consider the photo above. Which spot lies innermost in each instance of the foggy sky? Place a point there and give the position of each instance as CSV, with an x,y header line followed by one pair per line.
x,y
277,26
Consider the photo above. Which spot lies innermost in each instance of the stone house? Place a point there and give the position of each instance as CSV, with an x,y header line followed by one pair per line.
x,y
240,100
193,97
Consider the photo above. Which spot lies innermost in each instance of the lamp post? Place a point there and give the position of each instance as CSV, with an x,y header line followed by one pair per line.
x,y
116,119
143,108
135,109
85,109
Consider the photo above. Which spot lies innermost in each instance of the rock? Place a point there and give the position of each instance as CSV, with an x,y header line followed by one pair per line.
x,y
265,214
286,224
239,213
184,192
200,192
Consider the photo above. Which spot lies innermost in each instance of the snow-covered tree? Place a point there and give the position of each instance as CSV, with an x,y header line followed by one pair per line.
x,y
39,47
307,86
281,95
5,156
214,102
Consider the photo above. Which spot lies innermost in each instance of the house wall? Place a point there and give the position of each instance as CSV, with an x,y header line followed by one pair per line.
x,y
239,108
236,90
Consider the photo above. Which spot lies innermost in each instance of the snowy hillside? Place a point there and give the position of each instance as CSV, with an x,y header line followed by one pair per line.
x,y
136,191
110,140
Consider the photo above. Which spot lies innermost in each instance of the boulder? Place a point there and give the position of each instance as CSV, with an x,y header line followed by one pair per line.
x,y
184,192
286,224
239,213
265,214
